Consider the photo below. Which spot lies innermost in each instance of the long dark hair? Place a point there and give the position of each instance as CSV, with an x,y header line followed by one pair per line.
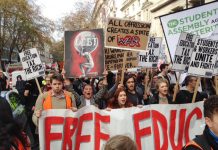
x,y
10,130
114,100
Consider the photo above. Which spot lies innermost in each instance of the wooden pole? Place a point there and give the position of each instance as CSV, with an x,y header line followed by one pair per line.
x,y
145,80
176,87
216,84
123,68
196,89
37,82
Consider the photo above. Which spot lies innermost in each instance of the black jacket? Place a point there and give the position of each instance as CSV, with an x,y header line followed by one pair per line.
x,y
155,99
205,141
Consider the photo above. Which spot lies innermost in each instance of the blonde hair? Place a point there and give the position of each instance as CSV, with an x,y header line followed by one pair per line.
x,y
120,142
161,81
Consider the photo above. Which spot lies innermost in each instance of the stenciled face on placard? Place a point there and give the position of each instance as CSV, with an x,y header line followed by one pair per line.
x,y
86,41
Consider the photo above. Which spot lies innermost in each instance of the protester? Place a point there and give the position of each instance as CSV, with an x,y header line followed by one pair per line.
x,y
164,68
172,89
186,93
4,83
209,139
56,98
120,142
47,85
88,97
11,135
20,85
162,95
132,93
119,100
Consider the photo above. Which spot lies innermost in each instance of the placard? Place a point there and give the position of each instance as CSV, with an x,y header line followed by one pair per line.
x,y
114,59
84,53
183,51
127,34
150,58
203,58
31,63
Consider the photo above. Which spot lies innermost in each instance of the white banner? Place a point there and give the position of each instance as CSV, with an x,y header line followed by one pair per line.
x,y
200,20
203,58
31,63
149,58
151,127
183,51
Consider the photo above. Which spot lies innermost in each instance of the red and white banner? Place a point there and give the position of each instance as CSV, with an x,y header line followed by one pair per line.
x,y
159,127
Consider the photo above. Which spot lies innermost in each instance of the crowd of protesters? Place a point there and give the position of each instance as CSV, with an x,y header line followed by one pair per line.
x,y
107,92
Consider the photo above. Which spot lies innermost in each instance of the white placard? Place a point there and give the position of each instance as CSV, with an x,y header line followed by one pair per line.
x,y
203,58
149,59
183,51
31,63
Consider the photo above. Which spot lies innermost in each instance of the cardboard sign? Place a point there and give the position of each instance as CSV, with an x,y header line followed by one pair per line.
x,y
127,34
183,51
200,20
203,58
84,53
150,58
166,127
114,59
31,63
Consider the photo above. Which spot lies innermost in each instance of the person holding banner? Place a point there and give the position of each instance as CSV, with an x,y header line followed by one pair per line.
x,y
56,98
209,139
88,98
186,93
162,96
11,134
119,100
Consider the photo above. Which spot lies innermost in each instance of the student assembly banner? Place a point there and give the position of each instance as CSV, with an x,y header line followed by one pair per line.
x,y
114,59
200,20
84,53
127,34
203,58
31,63
150,58
167,127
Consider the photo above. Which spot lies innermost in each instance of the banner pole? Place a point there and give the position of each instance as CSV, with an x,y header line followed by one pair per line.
x,y
37,82
145,80
216,84
176,87
123,68
196,89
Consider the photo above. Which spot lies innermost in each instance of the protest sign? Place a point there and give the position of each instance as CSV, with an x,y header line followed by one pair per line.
x,y
200,20
183,51
31,63
214,36
203,58
114,59
149,59
84,53
127,34
166,127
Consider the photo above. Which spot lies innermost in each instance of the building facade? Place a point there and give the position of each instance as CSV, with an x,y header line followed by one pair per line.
x,y
143,10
